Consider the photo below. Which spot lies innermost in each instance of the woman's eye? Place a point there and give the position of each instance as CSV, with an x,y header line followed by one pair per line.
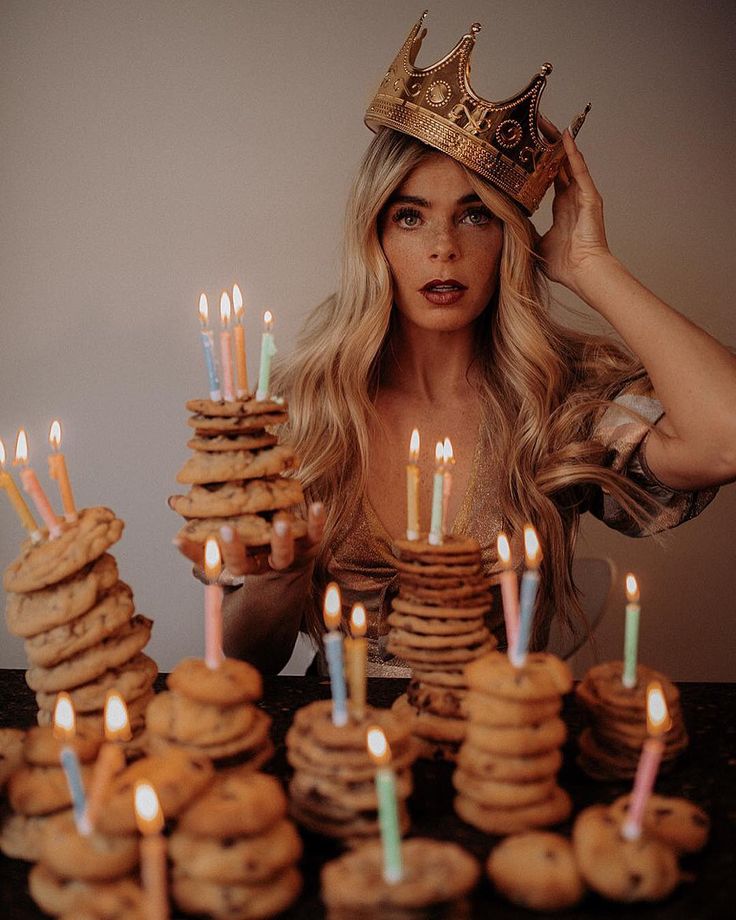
x,y
407,217
479,216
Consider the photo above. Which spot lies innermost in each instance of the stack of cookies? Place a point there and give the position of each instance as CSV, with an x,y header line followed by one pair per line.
x,y
37,789
332,791
211,711
234,851
78,621
437,627
506,775
611,744
236,473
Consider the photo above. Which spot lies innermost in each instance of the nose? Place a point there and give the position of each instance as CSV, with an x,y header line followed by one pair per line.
x,y
444,246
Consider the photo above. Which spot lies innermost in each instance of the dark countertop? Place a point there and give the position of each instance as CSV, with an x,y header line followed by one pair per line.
x,y
705,773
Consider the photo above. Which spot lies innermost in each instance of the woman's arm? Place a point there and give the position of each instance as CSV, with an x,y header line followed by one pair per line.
x,y
693,375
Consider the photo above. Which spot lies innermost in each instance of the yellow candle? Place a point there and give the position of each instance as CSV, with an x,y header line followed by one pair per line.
x,y
16,499
356,661
58,471
449,461
111,759
241,362
412,488
32,486
150,821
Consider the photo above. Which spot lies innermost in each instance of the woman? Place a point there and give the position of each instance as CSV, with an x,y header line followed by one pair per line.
x,y
441,321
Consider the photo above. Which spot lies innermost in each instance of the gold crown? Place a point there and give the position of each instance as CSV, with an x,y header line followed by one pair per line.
x,y
501,141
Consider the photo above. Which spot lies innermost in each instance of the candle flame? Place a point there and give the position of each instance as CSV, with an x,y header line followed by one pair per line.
x,y
447,455
358,621
64,720
332,610
504,549
531,547
632,589
268,320
21,447
225,309
237,302
439,453
204,309
117,724
377,745
55,434
2,454
212,559
148,815
414,446
658,716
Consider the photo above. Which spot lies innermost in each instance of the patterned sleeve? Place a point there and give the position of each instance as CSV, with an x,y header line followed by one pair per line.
x,y
625,437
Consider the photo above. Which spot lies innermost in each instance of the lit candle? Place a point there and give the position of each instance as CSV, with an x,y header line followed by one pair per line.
x,y
268,350
64,729
213,655
333,642
356,660
150,821
241,362
58,471
32,486
631,634
16,499
226,348
412,488
388,814
208,348
529,587
438,489
448,459
111,759
658,723
509,592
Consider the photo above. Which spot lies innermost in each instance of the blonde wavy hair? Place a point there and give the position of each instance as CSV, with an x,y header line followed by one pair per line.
x,y
541,386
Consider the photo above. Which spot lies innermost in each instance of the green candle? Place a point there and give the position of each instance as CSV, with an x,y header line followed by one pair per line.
x,y
438,489
388,814
268,350
631,632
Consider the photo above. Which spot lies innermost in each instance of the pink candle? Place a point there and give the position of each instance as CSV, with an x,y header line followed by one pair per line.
x,y
449,461
226,348
32,486
509,592
213,593
150,822
658,723
111,758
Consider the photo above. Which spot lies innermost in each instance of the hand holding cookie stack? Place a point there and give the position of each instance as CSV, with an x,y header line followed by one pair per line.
x,y
124,799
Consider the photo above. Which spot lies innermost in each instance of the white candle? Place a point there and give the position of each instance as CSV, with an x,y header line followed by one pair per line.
x,y
268,350
438,488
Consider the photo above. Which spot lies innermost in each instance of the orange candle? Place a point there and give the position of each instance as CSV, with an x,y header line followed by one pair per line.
x,y
58,471
226,348
150,821
356,660
16,499
241,361
32,486
111,759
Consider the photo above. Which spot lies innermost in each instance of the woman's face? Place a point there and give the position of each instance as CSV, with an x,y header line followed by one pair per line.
x,y
443,246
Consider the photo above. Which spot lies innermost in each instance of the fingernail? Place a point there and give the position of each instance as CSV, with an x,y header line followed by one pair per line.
x,y
280,528
227,533
318,508
177,541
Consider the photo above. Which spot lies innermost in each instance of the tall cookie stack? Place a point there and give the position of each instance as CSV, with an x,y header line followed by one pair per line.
x,y
617,721
235,852
506,775
236,473
332,791
79,623
211,711
438,626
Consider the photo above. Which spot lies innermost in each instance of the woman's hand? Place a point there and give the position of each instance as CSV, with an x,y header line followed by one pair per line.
x,y
577,237
284,552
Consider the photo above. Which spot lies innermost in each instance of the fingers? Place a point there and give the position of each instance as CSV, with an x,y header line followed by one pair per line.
x,y
233,551
316,518
282,544
188,548
576,166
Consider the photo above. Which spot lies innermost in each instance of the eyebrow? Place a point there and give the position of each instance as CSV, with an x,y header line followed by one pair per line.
x,y
423,203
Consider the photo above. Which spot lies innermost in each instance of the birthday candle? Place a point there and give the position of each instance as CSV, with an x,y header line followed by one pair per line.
x,y
111,758
58,471
150,821
509,592
241,361
631,634
333,643
412,488
208,349
16,499
438,488
226,348
268,350
658,723
448,459
64,728
32,486
356,660
388,814
529,587
213,594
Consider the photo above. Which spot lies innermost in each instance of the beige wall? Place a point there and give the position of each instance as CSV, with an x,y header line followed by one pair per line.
x,y
154,149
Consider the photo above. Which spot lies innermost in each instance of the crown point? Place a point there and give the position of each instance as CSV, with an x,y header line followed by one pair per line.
x,y
545,70
475,28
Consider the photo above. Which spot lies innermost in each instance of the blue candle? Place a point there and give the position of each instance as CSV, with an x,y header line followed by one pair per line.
x,y
209,351
529,587
64,730
333,643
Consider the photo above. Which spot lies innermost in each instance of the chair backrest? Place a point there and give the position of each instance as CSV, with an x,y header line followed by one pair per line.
x,y
595,578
